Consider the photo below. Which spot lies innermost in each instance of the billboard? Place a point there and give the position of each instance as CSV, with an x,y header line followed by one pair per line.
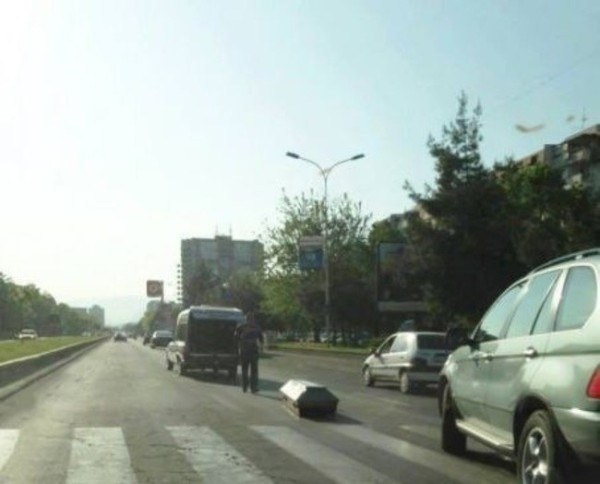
x,y
391,281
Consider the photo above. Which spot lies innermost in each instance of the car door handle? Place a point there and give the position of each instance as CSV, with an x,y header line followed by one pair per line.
x,y
480,355
530,352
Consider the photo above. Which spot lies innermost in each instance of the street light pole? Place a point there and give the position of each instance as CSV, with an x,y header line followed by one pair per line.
x,y
325,172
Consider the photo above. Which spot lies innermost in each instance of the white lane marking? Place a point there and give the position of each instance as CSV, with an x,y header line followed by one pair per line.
x,y
451,467
214,459
8,441
333,464
99,455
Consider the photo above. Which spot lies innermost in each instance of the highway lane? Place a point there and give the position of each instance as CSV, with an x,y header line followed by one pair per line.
x,y
117,415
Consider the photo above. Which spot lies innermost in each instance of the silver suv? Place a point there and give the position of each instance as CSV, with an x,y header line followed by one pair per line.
x,y
527,381
411,359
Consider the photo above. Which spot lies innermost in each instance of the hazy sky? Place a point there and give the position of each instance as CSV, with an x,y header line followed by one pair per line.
x,y
128,125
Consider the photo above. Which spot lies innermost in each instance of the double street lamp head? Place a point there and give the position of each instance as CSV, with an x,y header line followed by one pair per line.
x,y
298,157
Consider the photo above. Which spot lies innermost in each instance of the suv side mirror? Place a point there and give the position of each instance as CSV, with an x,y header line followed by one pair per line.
x,y
456,337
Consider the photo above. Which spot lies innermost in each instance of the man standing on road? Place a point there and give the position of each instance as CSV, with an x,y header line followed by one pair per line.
x,y
249,336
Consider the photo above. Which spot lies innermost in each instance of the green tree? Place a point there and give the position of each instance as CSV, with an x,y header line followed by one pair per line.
x,y
298,297
545,219
244,290
463,255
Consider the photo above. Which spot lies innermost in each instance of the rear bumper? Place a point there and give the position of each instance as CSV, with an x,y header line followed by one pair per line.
x,y
581,429
218,361
428,375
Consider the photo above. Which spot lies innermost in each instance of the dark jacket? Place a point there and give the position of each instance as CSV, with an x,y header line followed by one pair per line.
x,y
248,336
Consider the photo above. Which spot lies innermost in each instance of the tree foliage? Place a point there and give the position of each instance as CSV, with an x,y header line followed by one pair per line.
x,y
297,298
479,228
28,307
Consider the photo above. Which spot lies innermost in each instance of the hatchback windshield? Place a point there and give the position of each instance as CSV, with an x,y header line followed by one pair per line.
x,y
431,342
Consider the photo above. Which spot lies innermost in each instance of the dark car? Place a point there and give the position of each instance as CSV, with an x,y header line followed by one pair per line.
x,y
161,338
120,336
205,339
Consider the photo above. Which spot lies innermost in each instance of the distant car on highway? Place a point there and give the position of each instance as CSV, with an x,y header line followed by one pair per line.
x,y
161,338
410,358
27,334
526,382
120,336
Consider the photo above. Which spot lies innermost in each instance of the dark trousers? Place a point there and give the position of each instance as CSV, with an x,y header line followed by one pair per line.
x,y
249,359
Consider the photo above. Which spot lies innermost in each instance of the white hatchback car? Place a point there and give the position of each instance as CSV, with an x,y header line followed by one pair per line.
x,y
27,334
410,358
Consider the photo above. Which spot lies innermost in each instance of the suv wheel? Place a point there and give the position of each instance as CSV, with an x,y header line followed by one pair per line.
x,y
406,384
537,459
453,441
367,376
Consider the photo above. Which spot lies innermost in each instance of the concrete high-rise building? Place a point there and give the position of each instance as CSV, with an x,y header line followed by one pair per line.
x,y
223,255
577,157
97,314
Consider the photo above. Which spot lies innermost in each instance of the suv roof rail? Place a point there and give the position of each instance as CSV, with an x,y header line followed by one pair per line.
x,y
569,257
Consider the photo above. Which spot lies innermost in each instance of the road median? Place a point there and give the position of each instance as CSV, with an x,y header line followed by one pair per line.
x,y
18,373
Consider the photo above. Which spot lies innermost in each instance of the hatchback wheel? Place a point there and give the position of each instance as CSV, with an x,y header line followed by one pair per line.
x,y
537,461
406,384
367,376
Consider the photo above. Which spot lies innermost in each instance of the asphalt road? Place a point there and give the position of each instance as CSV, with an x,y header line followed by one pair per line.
x,y
116,415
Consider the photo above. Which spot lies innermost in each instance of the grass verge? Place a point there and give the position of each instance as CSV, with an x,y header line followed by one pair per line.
x,y
13,349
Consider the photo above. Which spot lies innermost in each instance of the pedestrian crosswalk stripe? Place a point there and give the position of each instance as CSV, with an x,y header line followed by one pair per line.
x,y
8,441
333,464
99,455
405,450
214,459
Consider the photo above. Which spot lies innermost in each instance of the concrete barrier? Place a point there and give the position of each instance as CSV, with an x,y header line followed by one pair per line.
x,y
17,374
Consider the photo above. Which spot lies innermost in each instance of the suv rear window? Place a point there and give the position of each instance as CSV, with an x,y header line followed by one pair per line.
x,y
431,342
530,304
579,299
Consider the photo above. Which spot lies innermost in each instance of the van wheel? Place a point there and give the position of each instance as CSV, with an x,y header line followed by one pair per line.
x,y
169,365
232,374
406,384
453,441
367,376
181,369
537,458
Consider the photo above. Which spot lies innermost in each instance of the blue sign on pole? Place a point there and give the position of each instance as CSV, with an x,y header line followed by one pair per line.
x,y
311,258
310,253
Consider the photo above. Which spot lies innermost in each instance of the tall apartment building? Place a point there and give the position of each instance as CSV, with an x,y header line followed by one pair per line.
x,y
578,157
222,255
97,314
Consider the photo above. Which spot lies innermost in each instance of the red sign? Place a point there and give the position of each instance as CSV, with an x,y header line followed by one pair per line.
x,y
154,288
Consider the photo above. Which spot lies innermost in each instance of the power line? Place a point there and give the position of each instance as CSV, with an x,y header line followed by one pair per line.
x,y
547,80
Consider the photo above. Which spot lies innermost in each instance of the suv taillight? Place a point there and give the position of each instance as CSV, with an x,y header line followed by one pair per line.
x,y
593,389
